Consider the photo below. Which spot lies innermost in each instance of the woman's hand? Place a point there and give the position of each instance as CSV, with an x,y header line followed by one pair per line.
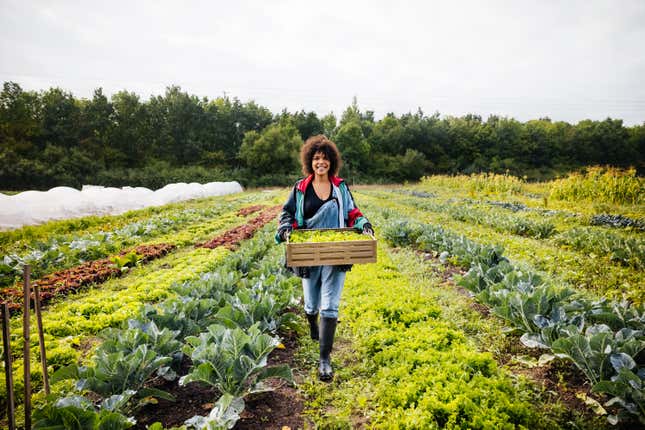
x,y
367,229
285,233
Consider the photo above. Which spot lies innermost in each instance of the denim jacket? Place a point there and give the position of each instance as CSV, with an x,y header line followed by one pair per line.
x,y
293,213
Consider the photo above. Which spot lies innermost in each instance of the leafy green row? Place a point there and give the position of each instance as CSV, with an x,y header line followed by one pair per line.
x,y
587,271
70,325
627,251
514,224
219,320
618,221
602,338
63,251
411,367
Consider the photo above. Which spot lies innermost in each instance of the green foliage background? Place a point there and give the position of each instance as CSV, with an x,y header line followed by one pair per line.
x,y
50,138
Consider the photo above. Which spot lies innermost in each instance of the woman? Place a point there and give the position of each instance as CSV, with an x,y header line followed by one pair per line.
x,y
321,200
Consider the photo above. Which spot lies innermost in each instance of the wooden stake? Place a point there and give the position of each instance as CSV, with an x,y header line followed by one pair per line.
x,y
6,344
41,337
25,335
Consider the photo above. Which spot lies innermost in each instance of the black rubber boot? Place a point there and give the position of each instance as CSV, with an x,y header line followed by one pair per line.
x,y
327,331
313,325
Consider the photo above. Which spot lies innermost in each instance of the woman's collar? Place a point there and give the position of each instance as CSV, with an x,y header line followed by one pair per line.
x,y
335,180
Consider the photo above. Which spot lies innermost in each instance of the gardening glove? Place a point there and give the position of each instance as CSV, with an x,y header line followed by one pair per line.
x,y
285,233
367,229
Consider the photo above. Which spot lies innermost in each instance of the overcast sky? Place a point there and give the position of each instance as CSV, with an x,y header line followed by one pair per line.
x,y
568,60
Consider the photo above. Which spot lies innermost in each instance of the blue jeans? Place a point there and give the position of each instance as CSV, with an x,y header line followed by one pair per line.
x,y
324,286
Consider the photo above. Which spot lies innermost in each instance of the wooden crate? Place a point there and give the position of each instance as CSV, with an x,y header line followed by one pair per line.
x,y
332,253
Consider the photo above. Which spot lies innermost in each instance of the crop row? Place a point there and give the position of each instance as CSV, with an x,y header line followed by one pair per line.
x,y
70,326
603,339
71,280
63,251
101,313
593,271
224,321
628,251
411,367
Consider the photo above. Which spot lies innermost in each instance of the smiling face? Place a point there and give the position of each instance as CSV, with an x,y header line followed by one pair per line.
x,y
319,156
320,164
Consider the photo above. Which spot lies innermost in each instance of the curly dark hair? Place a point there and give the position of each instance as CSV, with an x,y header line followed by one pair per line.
x,y
320,143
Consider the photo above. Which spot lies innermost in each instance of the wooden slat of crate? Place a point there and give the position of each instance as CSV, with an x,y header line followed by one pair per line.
x,y
331,253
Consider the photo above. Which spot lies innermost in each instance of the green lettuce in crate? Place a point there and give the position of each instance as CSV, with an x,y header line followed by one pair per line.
x,y
316,236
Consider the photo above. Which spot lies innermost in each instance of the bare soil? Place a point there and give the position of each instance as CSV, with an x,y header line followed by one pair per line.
x,y
231,238
280,408
271,410
248,210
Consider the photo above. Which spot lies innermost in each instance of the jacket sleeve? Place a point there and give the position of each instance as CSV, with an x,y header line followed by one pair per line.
x,y
287,216
353,217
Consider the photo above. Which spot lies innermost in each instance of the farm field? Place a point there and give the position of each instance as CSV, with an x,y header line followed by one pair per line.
x,y
493,304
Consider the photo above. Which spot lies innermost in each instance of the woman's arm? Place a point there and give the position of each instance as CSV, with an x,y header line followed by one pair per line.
x,y
287,219
354,217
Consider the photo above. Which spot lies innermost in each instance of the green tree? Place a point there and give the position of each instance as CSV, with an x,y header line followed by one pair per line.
x,y
329,126
130,137
637,146
412,165
95,128
60,119
307,124
228,121
354,148
387,136
20,129
275,150
354,114
179,126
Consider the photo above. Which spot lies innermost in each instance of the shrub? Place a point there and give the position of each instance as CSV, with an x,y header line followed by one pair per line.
x,y
601,185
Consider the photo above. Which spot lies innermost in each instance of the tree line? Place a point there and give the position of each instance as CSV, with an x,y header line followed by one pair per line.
x,y
50,138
